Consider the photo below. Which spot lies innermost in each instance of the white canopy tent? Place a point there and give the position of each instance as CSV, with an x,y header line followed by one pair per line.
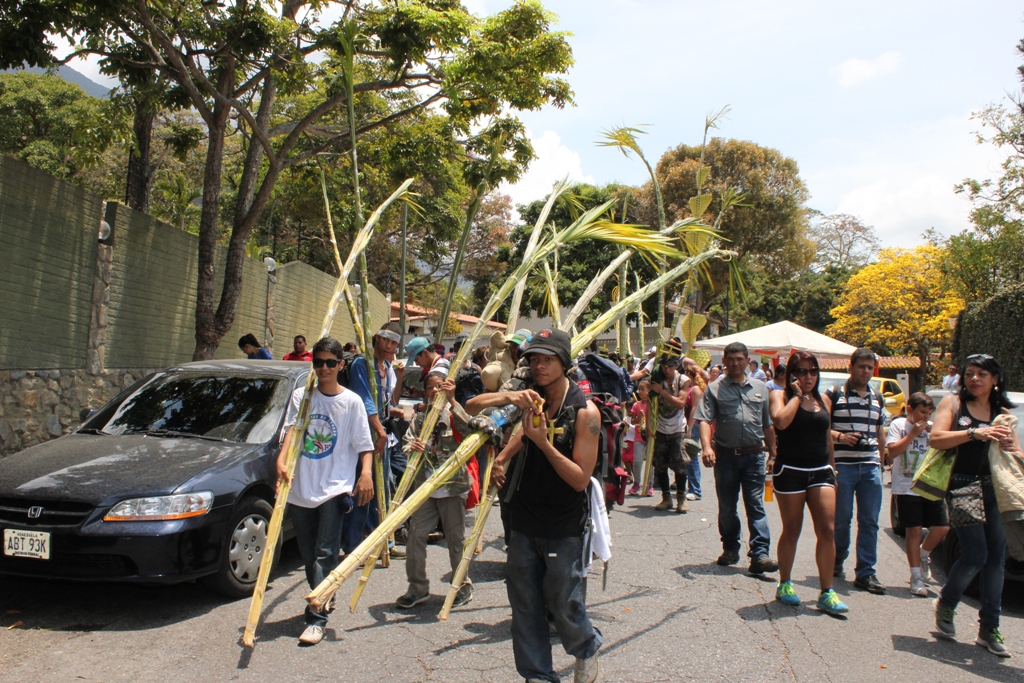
x,y
779,340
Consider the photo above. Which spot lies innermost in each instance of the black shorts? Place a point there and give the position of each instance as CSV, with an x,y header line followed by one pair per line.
x,y
789,479
917,511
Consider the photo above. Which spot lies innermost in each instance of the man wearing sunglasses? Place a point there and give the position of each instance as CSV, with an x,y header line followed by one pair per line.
x,y
334,462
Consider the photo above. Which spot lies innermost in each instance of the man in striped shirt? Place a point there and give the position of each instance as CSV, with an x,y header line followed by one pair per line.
x,y
858,414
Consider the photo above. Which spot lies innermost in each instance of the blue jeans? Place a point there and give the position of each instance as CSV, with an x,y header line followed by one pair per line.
x,y
982,549
693,469
746,472
365,518
693,476
545,574
318,535
862,482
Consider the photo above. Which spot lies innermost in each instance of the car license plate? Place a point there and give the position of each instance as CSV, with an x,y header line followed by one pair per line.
x,y
18,543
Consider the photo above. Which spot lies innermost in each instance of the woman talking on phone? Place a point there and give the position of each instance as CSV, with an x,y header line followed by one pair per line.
x,y
963,424
804,474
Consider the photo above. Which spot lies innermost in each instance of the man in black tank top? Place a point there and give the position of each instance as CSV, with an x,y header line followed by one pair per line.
x,y
549,513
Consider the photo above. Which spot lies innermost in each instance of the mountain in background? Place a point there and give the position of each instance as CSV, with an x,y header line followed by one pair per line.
x,y
90,86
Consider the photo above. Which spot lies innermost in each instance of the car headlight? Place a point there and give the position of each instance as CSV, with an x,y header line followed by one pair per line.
x,y
159,508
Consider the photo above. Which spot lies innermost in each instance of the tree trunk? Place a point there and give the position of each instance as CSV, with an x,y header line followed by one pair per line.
x,y
249,208
207,338
140,169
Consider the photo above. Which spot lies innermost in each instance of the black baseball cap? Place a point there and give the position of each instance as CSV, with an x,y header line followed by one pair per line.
x,y
552,343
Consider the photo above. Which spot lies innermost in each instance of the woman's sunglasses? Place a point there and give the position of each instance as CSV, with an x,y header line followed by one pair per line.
x,y
329,362
803,372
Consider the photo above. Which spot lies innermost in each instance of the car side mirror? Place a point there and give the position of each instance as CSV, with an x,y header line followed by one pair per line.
x,y
887,394
85,413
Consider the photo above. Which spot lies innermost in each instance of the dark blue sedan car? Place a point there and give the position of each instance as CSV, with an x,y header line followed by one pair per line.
x,y
171,481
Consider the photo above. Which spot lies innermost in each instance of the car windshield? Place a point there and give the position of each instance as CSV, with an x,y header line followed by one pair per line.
x,y
234,408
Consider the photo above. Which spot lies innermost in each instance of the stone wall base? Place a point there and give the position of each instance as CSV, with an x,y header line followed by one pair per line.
x,y
39,405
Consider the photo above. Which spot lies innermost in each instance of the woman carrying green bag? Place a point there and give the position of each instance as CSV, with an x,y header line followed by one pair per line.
x,y
962,425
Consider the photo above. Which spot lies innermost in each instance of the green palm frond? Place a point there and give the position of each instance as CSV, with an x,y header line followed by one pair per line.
x,y
623,138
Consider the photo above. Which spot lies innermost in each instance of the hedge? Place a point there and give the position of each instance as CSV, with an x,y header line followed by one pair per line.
x,y
996,327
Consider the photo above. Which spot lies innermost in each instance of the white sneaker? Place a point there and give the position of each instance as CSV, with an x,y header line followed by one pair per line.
x,y
926,569
918,588
585,670
312,635
691,496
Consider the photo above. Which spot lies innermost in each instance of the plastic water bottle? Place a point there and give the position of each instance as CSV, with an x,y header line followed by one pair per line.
x,y
494,420
769,494
504,416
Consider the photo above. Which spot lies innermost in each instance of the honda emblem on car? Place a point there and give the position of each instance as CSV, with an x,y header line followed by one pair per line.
x,y
35,512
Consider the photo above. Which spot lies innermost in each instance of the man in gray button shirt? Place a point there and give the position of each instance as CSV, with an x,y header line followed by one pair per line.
x,y
738,405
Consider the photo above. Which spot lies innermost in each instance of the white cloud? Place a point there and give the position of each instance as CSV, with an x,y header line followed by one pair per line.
x,y
855,71
554,161
901,181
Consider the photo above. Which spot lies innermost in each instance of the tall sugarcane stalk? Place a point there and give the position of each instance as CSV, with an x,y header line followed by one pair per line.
x,y
623,328
593,288
348,36
652,426
531,246
483,510
474,207
588,225
293,443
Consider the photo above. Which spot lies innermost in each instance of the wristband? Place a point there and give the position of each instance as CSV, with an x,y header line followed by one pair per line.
x,y
971,436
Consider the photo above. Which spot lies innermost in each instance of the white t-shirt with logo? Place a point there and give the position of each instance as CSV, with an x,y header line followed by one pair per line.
x,y
338,432
905,464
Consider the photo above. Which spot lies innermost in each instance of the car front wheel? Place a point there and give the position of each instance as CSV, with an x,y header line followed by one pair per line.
x,y
243,549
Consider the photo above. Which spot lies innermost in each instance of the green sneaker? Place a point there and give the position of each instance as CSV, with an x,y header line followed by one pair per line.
x,y
944,620
786,595
992,640
829,602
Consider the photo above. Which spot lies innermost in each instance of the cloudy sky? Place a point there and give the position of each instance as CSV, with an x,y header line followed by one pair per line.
x,y
872,99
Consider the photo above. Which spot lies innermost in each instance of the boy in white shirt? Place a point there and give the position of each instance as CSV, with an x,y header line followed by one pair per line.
x,y
335,461
907,445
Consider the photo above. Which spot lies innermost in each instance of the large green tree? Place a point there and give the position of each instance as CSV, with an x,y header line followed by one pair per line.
x,y
989,257
54,125
769,228
232,62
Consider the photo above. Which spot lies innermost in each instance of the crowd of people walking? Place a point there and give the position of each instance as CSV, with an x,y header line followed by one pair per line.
x,y
765,433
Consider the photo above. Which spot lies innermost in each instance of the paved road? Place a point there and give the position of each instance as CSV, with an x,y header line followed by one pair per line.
x,y
668,614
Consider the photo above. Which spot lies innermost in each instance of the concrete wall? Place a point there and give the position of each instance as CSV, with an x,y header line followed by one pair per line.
x,y
48,234
80,321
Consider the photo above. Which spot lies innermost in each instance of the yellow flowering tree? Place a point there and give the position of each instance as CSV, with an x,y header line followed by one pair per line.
x,y
899,305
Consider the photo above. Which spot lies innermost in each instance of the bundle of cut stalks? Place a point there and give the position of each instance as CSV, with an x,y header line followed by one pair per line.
x,y
467,449
589,225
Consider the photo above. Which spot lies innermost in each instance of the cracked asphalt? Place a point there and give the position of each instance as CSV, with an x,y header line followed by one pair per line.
x,y
669,614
